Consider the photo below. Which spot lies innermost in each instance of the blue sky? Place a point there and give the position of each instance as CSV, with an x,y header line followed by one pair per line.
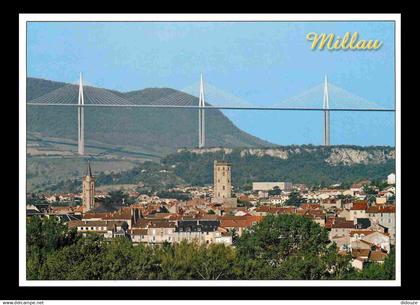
x,y
263,63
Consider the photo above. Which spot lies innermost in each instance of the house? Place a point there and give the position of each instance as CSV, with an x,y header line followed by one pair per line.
x,y
358,210
161,231
384,215
138,235
224,238
239,224
358,263
341,227
377,256
380,240
108,229
265,210
127,214
330,203
32,210
344,213
357,188
391,179
381,200
201,231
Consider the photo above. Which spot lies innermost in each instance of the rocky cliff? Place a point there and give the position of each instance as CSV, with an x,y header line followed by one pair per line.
x,y
334,155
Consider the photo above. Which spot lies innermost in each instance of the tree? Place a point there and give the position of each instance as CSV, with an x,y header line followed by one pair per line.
x,y
275,191
118,197
44,236
124,226
294,199
294,247
197,262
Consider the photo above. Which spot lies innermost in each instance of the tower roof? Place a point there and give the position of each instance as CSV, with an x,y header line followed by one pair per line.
x,y
89,170
221,163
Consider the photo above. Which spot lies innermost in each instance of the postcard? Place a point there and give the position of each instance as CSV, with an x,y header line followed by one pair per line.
x,y
210,150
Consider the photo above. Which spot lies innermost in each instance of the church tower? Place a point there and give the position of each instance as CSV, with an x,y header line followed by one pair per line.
x,y
88,194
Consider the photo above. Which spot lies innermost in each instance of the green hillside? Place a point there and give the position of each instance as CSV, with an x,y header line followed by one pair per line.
x,y
154,130
307,166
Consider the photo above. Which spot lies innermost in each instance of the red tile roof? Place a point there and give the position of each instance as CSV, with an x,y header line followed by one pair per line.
x,y
377,256
347,224
360,205
381,209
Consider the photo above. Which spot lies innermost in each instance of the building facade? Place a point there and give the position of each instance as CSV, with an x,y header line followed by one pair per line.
x,y
268,186
222,181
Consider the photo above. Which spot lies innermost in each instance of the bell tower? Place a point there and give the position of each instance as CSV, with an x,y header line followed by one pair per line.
x,y
88,194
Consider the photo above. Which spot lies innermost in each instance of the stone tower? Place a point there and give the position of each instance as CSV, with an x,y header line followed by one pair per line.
x,y
88,190
222,189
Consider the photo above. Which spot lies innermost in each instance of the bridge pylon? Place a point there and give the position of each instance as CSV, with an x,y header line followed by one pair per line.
x,y
201,118
81,120
326,114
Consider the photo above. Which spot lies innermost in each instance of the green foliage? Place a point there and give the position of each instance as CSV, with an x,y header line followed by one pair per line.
x,y
118,197
93,258
294,199
307,167
174,195
151,175
275,191
44,236
63,186
294,247
280,247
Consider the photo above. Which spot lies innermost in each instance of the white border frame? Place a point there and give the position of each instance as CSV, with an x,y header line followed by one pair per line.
x,y
24,18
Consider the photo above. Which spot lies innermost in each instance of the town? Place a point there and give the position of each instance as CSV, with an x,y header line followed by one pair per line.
x,y
360,220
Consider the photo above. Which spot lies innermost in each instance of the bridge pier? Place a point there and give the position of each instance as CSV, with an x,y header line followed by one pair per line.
x,y
81,120
201,118
326,114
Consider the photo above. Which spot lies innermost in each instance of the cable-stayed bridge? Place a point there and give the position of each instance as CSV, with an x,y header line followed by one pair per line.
x,y
204,96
